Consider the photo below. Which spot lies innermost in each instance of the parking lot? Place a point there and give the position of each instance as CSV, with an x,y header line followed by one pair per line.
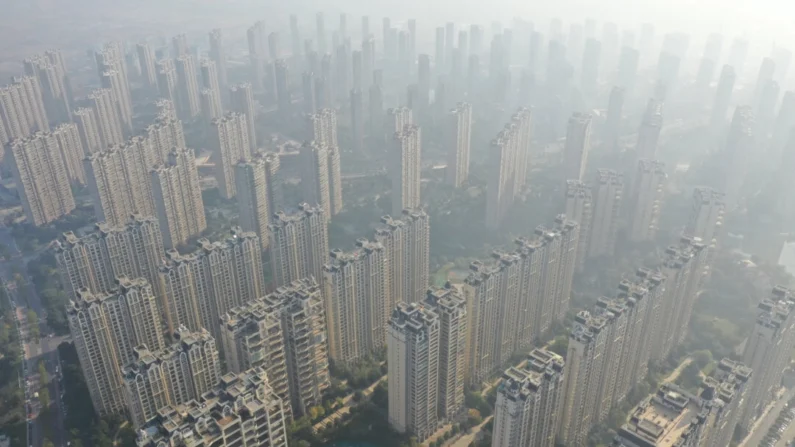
x,y
782,432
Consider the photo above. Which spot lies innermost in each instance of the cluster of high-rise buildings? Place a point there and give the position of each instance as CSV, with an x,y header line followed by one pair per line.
x,y
146,271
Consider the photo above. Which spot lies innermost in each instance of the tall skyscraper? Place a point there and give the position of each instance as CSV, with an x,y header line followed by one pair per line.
x,y
282,83
107,117
627,69
649,132
357,119
242,100
578,144
22,110
413,360
56,90
615,108
217,418
723,94
95,260
167,84
529,402
508,167
767,350
607,195
728,388
118,181
177,198
323,127
212,106
218,55
258,185
459,136
405,169
89,130
766,71
71,150
188,87
252,337
315,175
299,244
449,305
648,195
106,328
736,153
406,238
590,66
231,146
146,59
113,76
174,375
217,276
41,176
356,291
303,320
579,208
706,215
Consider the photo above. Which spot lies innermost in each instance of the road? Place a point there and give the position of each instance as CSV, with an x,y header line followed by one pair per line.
x,y
45,349
764,423
787,436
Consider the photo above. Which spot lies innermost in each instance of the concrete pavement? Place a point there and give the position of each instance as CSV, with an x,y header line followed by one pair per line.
x,y
763,424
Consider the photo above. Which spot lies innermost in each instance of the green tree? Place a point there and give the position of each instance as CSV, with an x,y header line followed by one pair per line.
x,y
44,397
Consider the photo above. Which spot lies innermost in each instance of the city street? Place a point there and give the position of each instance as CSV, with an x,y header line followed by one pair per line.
x,y
45,349
766,421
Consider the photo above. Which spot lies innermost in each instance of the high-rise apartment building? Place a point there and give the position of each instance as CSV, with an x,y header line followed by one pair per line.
x,y
356,292
649,132
585,360
241,410
413,361
231,145
218,276
768,350
56,90
323,127
242,99
648,195
459,136
177,198
727,389
406,239
579,208
187,87
723,95
107,117
357,119
607,194
95,260
529,402
22,110
405,169
218,55
211,103
301,309
516,298
706,215
67,136
41,176
736,153
590,66
112,69
299,244
174,375
450,306
315,175
615,108
252,337
106,328
88,127
578,144
508,167
146,59
258,186
167,84
282,84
